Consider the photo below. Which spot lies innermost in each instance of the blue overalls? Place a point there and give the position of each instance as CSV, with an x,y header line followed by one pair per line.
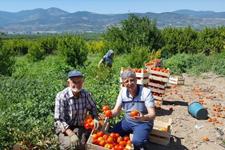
x,y
127,125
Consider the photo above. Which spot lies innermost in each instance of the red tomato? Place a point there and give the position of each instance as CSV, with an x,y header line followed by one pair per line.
x,y
104,108
100,134
126,138
86,126
108,113
109,140
134,113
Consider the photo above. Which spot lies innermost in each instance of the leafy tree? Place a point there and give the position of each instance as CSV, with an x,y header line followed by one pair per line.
x,y
138,56
7,59
35,52
134,31
211,41
20,47
179,41
74,49
49,44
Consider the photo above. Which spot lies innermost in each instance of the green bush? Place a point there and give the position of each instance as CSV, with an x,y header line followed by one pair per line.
x,y
74,49
138,56
35,52
7,60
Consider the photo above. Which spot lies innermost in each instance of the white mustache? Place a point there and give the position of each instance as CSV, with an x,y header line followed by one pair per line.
x,y
75,90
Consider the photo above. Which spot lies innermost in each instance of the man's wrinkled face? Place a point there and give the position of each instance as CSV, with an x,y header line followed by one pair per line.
x,y
130,83
76,83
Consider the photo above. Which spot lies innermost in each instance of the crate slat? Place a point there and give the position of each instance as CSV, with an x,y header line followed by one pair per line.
x,y
158,78
157,90
165,74
157,85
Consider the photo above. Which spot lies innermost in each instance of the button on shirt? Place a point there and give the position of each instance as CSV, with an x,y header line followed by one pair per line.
x,y
72,111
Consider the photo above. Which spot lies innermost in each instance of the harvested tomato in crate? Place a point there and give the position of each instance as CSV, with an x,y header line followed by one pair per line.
x,y
102,140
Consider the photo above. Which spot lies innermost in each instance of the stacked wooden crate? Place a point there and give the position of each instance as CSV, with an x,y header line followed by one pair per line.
x,y
158,79
141,76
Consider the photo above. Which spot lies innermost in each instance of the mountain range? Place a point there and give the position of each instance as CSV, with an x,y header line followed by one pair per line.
x,y
54,20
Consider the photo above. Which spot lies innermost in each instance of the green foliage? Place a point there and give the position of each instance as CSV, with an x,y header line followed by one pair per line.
x,y
27,103
179,41
35,52
74,49
196,64
7,60
49,44
138,56
20,47
96,46
134,31
211,40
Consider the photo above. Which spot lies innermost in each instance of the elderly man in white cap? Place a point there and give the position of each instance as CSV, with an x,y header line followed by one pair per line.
x,y
71,108
135,98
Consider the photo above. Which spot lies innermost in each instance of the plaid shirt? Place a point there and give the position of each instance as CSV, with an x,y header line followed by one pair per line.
x,y
72,111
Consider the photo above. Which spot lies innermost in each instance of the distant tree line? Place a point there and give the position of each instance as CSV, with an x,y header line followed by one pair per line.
x,y
137,36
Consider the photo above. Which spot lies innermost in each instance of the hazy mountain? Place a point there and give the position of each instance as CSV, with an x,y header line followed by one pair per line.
x,y
57,20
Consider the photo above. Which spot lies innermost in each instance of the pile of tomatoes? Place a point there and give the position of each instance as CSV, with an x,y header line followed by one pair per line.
x,y
89,123
111,141
160,69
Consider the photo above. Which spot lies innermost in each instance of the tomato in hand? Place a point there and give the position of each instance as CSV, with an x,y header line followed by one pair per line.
x,y
106,107
134,113
108,113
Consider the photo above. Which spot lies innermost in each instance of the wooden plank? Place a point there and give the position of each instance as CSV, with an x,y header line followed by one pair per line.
x,y
142,81
165,74
159,140
157,98
152,77
157,85
142,75
157,90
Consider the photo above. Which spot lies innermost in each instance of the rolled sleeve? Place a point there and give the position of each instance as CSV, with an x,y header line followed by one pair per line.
x,y
149,101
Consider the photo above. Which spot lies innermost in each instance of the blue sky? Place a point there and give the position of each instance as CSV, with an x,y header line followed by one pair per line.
x,y
114,6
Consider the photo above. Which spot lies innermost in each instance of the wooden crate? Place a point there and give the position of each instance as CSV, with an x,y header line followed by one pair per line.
x,y
158,134
91,146
157,85
161,79
157,90
104,128
164,74
142,81
178,80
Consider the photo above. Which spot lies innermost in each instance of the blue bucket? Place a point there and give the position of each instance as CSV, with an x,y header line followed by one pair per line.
x,y
197,110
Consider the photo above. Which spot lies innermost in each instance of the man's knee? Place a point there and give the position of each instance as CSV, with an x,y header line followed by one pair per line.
x,y
140,143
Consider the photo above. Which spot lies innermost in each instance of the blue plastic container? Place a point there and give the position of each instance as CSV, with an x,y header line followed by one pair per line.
x,y
197,110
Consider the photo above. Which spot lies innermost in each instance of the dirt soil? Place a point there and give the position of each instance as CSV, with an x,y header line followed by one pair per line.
x,y
188,132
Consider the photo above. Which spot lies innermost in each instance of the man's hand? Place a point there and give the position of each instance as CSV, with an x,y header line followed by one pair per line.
x,y
74,140
141,117
96,123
